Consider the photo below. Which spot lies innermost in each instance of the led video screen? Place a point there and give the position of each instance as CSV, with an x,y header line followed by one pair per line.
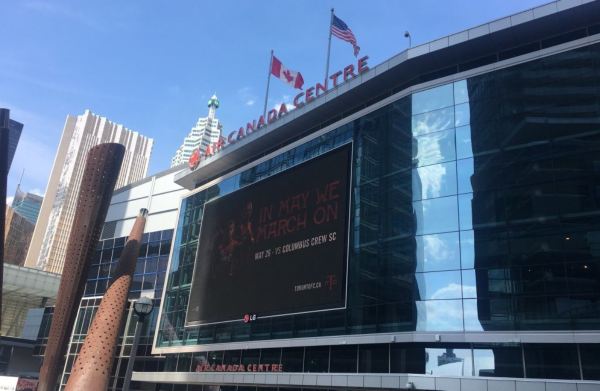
x,y
276,247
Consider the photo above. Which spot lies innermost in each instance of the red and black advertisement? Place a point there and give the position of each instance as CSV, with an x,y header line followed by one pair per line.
x,y
276,247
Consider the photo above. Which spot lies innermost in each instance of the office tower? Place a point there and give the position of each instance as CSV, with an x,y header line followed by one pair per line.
x,y
48,244
17,235
27,205
14,134
206,131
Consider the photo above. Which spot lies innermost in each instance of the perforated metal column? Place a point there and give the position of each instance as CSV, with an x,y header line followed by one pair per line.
x,y
91,371
102,168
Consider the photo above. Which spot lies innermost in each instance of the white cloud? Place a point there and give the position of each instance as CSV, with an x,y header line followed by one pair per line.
x,y
246,95
9,200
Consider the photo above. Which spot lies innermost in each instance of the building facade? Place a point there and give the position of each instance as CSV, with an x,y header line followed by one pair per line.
x,y
27,205
14,134
17,235
470,249
80,134
206,131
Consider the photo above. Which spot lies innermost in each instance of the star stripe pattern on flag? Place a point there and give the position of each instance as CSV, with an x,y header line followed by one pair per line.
x,y
293,78
343,32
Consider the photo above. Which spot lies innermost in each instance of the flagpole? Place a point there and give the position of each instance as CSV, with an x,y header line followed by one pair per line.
x,y
328,49
268,82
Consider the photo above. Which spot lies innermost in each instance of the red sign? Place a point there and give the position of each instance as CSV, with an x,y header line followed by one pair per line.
x,y
349,72
239,368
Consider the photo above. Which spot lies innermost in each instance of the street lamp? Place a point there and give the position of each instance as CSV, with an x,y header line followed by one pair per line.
x,y
142,308
407,35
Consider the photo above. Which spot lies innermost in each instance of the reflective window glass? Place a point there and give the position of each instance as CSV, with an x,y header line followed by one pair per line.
x,y
432,121
590,364
469,286
439,285
438,252
373,358
449,362
343,359
462,115
461,93
464,169
434,181
439,315
434,148
471,315
467,249
464,147
498,361
434,98
316,359
551,361
407,358
464,207
436,215
292,359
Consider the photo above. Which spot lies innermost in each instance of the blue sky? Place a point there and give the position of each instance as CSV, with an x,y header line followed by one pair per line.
x,y
152,65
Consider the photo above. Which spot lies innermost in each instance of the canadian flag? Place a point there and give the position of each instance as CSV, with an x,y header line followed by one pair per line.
x,y
290,77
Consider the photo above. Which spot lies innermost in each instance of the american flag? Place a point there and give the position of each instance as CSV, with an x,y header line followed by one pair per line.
x,y
343,32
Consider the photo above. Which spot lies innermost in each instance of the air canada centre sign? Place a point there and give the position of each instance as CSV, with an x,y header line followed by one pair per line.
x,y
349,72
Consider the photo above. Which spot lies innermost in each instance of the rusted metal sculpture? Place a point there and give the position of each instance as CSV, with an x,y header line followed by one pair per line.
x,y
91,371
99,177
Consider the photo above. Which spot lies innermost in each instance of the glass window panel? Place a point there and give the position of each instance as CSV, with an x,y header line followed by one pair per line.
x,y
439,285
551,361
439,315
464,207
407,358
461,93
153,248
373,358
139,266
501,361
343,359
449,362
434,181
464,168
462,115
590,364
464,147
434,148
467,249
434,98
316,359
292,359
471,315
437,215
151,265
106,255
432,121
438,252
250,356
469,285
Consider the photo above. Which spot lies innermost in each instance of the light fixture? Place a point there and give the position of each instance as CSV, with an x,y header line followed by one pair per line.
x,y
407,35
143,306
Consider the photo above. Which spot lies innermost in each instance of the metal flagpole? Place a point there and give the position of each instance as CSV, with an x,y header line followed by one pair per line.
x,y
328,50
268,82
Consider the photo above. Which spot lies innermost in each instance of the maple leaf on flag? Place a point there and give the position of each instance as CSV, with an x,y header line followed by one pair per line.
x,y
286,75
